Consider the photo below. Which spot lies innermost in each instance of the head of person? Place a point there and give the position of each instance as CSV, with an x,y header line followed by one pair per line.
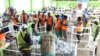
x,y
79,18
48,28
57,16
23,11
24,28
38,12
33,25
49,14
65,17
96,23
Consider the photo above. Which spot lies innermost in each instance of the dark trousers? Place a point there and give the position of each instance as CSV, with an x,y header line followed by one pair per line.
x,y
26,52
64,33
78,36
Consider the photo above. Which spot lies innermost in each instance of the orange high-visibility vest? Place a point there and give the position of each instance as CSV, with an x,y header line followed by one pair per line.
x,y
58,24
49,21
2,40
2,37
64,27
79,27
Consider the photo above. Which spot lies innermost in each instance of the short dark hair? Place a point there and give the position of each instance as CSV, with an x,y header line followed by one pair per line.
x,y
65,17
48,28
57,16
96,23
79,18
33,25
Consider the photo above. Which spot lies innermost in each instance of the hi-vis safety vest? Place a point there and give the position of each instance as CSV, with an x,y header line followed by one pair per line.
x,y
49,21
94,30
79,27
2,40
21,42
30,26
2,37
64,25
58,24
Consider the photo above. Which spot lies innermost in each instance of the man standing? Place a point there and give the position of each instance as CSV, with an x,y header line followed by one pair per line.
x,y
96,34
42,21
58,26
47,42
24,17
64,27
79,28
49,20
24,42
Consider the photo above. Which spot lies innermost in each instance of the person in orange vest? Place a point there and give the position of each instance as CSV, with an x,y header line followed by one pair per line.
x,y
42,21
24,17
2,38
49,20
14,21
64,27
79,28
58,26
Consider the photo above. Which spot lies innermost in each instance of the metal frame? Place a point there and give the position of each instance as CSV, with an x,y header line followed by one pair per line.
x,y
89,40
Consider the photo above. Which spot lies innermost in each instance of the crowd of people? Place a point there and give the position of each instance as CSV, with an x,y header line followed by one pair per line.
x,y
55,26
